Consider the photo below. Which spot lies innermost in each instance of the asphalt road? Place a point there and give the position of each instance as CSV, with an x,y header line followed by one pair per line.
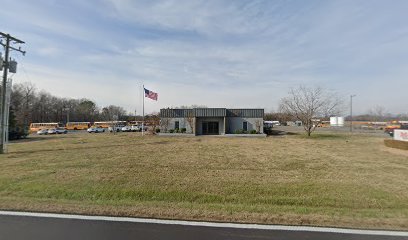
x,y
44,228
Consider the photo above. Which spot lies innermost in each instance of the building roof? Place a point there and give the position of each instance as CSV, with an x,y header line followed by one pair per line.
x,y
212,112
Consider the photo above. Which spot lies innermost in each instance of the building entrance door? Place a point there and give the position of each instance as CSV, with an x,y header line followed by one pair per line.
x,y
210,128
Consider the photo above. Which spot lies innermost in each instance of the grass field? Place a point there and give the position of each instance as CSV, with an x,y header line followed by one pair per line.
x,y
331,179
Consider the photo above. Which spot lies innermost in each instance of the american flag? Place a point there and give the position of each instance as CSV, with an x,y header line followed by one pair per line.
x,y
150,94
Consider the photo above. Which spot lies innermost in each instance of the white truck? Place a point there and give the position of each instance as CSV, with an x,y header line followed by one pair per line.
x,y
137,128
115,128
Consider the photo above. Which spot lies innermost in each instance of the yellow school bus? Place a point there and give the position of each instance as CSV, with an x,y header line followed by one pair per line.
x,y
107,124
77,125
34,127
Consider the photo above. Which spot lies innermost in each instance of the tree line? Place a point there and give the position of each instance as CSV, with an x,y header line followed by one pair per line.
x,y
28,105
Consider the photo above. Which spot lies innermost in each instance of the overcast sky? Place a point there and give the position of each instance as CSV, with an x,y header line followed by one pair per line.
x,y
217,53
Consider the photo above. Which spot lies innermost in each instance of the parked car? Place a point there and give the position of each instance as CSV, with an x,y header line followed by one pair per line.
x,y
96,129
52,131
137,128
42,132
117,128
126,129
61,131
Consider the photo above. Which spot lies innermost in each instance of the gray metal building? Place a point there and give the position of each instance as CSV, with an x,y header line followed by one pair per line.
x,y
212,121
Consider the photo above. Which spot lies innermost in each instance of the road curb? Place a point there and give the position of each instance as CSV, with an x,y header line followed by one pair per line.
x,y
207,224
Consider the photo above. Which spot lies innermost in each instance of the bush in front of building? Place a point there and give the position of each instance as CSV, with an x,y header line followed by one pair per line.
x,y
177,130
240,131
396,144
157,130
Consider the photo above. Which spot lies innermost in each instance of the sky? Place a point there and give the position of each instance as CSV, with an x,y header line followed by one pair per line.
x,y
234,54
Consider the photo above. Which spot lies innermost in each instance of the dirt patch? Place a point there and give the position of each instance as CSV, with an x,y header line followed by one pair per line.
x,y
403,145
395,151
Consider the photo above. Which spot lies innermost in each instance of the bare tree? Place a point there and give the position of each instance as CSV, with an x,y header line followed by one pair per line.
x,y
377,113
190,120
306,104
87,110
154,121
108,113
164,124
258,125
23,105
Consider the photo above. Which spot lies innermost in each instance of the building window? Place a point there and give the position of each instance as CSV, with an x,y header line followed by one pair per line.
x,y
245,126
177,125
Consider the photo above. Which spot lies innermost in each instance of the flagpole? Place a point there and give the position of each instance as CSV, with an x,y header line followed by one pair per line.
x,y
143,110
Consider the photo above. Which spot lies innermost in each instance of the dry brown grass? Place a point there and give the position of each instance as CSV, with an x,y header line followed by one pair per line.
x,y
328,180
396,144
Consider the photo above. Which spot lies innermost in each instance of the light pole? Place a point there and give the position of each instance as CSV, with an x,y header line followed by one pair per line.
x,y
351,112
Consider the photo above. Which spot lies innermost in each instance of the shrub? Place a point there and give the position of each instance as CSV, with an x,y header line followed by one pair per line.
x,y
17,133
171,131
239,131
396,144
253,131
183,130
176,130
157,130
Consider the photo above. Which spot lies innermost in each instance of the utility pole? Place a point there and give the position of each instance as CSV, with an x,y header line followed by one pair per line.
x,y
143,96
67,109
351,112
6,65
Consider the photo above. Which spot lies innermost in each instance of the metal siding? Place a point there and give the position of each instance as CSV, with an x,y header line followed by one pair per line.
x,y
248,113
211,112
175,113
